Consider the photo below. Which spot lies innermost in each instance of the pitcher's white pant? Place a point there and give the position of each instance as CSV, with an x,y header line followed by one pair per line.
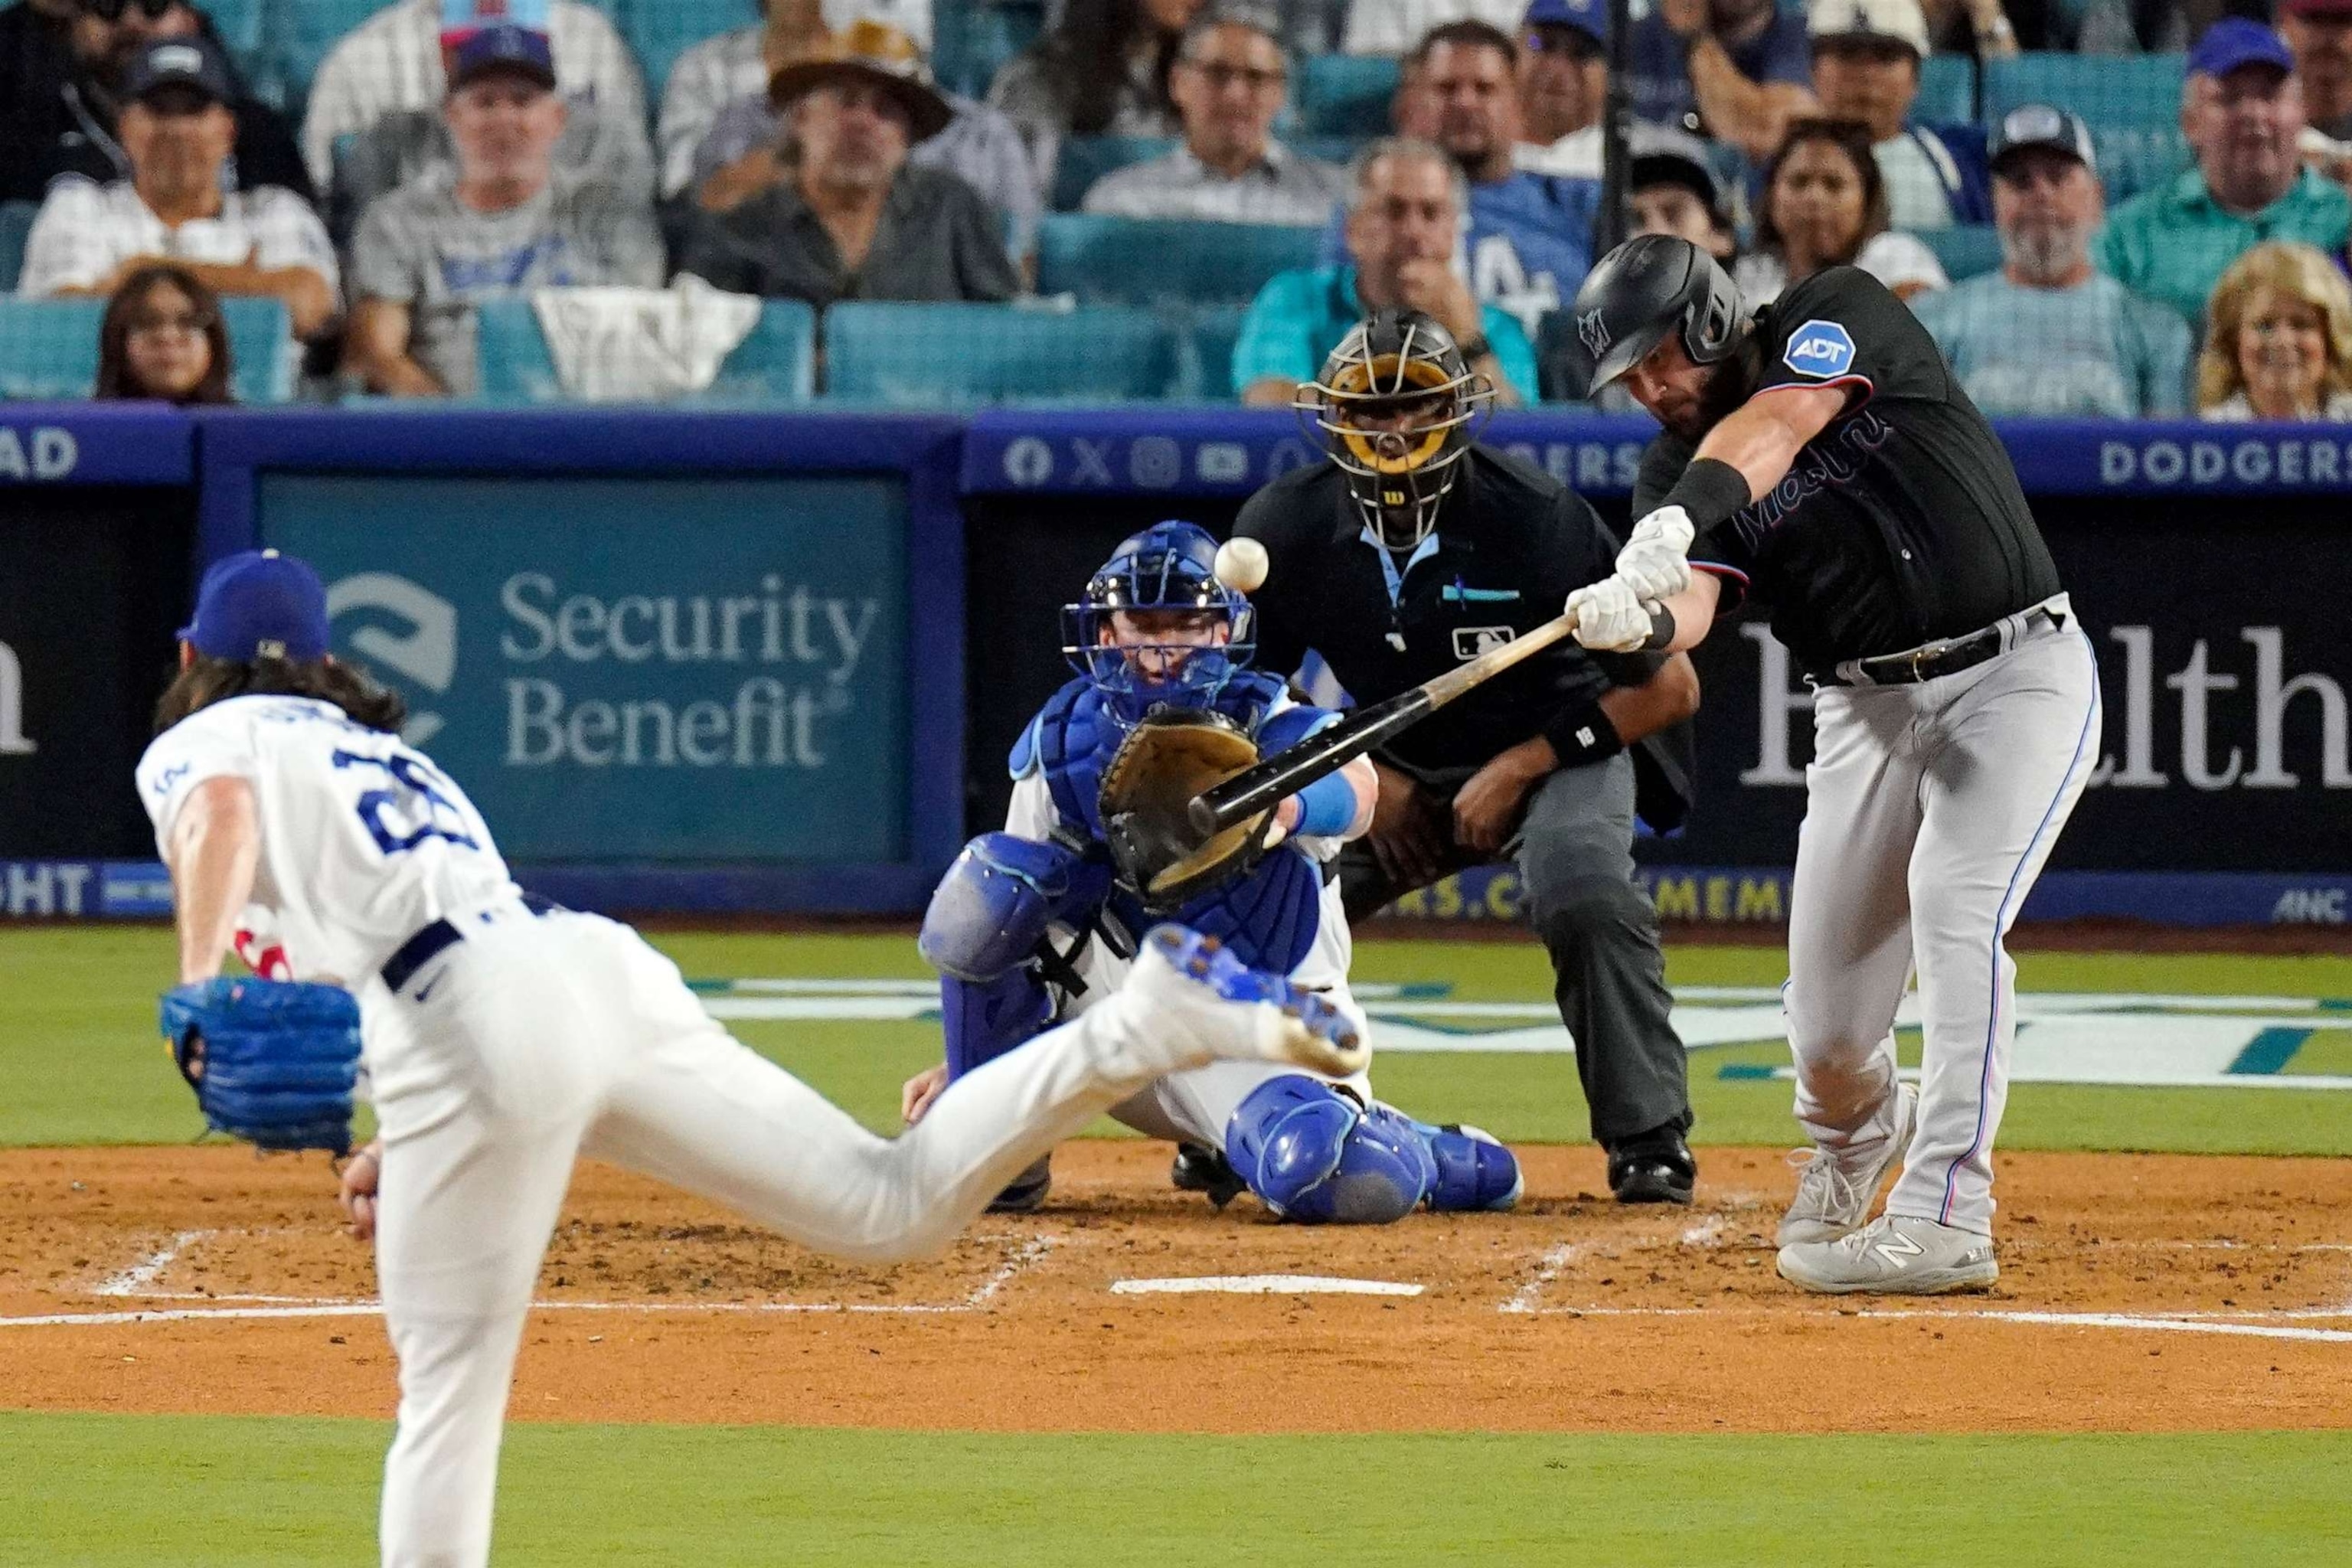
x,y
1930,810
538,1039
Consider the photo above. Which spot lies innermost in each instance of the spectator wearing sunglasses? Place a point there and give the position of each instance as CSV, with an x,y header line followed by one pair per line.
x,y
1563,78
62,65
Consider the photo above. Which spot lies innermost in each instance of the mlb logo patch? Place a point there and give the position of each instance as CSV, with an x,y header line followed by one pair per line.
x,y
1469,642
1821,349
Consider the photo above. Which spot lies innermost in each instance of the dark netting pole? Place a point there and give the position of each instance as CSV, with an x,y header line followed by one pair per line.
x,y
1616,118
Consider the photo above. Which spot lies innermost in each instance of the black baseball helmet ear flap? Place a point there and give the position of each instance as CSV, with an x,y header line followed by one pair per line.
x,y
1651,285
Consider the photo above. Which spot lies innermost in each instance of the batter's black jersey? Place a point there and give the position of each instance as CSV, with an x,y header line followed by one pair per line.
x,y
1901,523
1511,544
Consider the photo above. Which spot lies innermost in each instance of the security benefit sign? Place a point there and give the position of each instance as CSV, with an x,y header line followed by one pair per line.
x,y
663,670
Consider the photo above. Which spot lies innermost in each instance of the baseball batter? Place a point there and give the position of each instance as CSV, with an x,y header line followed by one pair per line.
x,y
504,1037
1032,923
1820,458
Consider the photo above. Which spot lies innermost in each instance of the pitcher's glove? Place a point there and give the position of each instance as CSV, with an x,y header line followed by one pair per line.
x,y
1147,792
272,1061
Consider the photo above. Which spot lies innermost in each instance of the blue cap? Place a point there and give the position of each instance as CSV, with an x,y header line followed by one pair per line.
x,y
502,47
2234,41
1590,18
258,603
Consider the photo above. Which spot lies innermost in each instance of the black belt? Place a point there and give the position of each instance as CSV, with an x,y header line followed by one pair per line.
x,y
1932,661
437,939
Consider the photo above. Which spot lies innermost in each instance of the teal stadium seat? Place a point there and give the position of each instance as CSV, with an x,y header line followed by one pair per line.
x,y
775,363
1948,91
928,356
1138,261
972,39
16,227
1211,332
1965,249
242,26
48,349
1344,95
658,31
1084,160
2131,102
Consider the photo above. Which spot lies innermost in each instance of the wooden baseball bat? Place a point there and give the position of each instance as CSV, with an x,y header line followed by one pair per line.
x,y
1285,774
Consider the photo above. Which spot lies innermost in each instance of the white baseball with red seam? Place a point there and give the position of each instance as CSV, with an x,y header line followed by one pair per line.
x,y
1242,564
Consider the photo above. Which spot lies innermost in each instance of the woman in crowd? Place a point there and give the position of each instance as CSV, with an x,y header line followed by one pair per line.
x,y
1101,71
2280,344
1824,205
163,338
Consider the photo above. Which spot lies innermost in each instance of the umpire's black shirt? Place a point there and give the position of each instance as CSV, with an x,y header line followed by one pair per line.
x,y
1511,543
1900,524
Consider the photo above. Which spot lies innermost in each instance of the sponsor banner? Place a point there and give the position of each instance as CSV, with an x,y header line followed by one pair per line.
x,y
84,889
95,444
635,670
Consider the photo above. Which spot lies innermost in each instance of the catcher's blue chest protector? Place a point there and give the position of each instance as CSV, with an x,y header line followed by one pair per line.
x,y
1269,915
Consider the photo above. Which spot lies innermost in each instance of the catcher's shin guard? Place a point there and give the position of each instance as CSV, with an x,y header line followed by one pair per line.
x,y
1313,1154
1474,1170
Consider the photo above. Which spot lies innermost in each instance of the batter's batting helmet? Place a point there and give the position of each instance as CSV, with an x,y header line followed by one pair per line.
x,y
1651,285
1394,405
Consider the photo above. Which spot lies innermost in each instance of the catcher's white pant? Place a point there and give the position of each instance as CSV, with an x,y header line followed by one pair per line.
x,y
540,1038
1930,810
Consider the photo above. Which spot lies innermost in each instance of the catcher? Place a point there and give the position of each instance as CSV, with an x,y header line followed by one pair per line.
x,y
1038,921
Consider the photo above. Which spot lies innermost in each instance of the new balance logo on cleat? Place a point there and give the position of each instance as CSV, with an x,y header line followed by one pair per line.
x,y
1898,1249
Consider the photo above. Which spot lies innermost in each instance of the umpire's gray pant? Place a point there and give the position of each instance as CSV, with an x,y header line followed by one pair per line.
x,y
1574,855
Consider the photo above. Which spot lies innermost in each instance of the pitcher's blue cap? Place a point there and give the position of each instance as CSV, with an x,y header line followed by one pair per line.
x,y
258,603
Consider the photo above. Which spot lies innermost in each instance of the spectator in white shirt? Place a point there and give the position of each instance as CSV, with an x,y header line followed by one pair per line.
x,y
392,61
1229,82
177,131
717,72
1563,79
1394,27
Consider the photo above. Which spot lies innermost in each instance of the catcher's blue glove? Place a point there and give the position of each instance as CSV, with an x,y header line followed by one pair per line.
x,y
271,1061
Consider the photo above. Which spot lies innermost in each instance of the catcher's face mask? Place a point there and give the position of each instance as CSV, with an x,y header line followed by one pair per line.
x,y
1394,405
1156,629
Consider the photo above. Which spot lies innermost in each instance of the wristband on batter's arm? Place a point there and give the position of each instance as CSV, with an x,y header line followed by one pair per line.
x,y
1709,492
1583,733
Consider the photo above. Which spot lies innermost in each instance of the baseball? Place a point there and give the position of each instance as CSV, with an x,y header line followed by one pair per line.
x,y
1242,564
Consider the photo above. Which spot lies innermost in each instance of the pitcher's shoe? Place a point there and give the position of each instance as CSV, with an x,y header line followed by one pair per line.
x,y
1191,991
1896,1254
1025,1193
1201,1169
1835,1187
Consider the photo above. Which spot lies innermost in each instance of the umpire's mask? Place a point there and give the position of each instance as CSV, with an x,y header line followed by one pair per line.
x,y
1395,406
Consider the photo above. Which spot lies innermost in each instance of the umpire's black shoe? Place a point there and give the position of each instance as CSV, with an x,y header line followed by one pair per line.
x,y
1027,1193
1654,1168
1204,1170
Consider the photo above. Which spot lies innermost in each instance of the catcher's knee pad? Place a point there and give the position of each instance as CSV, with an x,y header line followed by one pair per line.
x,y
1313,1154
991,911
982,1019
1474,1170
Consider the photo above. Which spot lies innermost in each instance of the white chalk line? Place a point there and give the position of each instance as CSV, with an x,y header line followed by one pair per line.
x,y
1548,1269
2162,1322
1030,1252
1264,1285
148,1270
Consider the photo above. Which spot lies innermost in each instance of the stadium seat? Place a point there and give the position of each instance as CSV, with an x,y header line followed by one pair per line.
x,y
240,24
925,356
2131,102
1086,159
775,363
261,351
49,348
1136,261
1210,334
658,31
1965,249
1344,95
972,39
16,227
1948,91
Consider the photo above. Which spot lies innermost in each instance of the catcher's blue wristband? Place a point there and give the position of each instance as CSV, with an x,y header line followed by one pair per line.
x,y
1327,809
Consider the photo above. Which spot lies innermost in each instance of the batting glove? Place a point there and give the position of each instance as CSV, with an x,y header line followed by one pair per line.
x,y
1656,559
1610,615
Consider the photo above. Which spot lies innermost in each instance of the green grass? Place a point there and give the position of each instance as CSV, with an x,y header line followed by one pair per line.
x,y
103,1491
80,1061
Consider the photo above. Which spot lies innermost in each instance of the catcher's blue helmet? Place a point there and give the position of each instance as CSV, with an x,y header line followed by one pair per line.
x,y
1168,566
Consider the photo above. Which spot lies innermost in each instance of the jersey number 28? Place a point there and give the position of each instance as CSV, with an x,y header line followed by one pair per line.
x,y
409,810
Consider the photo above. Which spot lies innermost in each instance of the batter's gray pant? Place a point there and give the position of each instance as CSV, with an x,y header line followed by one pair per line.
x,y
1574,855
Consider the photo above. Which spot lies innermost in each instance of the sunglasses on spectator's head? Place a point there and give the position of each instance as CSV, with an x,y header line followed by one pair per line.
x,y
112,10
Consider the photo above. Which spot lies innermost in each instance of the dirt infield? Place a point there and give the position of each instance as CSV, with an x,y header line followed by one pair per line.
x,y
2138,1294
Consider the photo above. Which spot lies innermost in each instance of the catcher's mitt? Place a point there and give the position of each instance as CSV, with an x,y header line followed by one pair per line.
x,y
1171,756
272,1061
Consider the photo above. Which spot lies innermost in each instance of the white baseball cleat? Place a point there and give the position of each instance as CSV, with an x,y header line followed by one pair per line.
x,y
1190,990
1893,1255
1835,1187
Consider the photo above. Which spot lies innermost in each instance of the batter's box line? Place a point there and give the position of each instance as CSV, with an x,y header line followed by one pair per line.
x,y
2272,1328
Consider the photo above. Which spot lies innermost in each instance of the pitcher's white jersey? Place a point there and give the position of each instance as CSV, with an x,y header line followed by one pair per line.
x,y
363,840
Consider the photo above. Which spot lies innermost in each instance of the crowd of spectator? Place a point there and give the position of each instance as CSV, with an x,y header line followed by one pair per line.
x,y
449,155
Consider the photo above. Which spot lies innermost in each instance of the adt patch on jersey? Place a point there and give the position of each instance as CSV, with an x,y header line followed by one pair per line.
x,y
1820,347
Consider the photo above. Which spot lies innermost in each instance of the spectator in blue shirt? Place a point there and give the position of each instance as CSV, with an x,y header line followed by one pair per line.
x,y
2046,334
1737,70
1403,223
1529,242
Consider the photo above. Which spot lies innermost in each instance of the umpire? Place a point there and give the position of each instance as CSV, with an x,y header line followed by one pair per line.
x,y
1414,550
